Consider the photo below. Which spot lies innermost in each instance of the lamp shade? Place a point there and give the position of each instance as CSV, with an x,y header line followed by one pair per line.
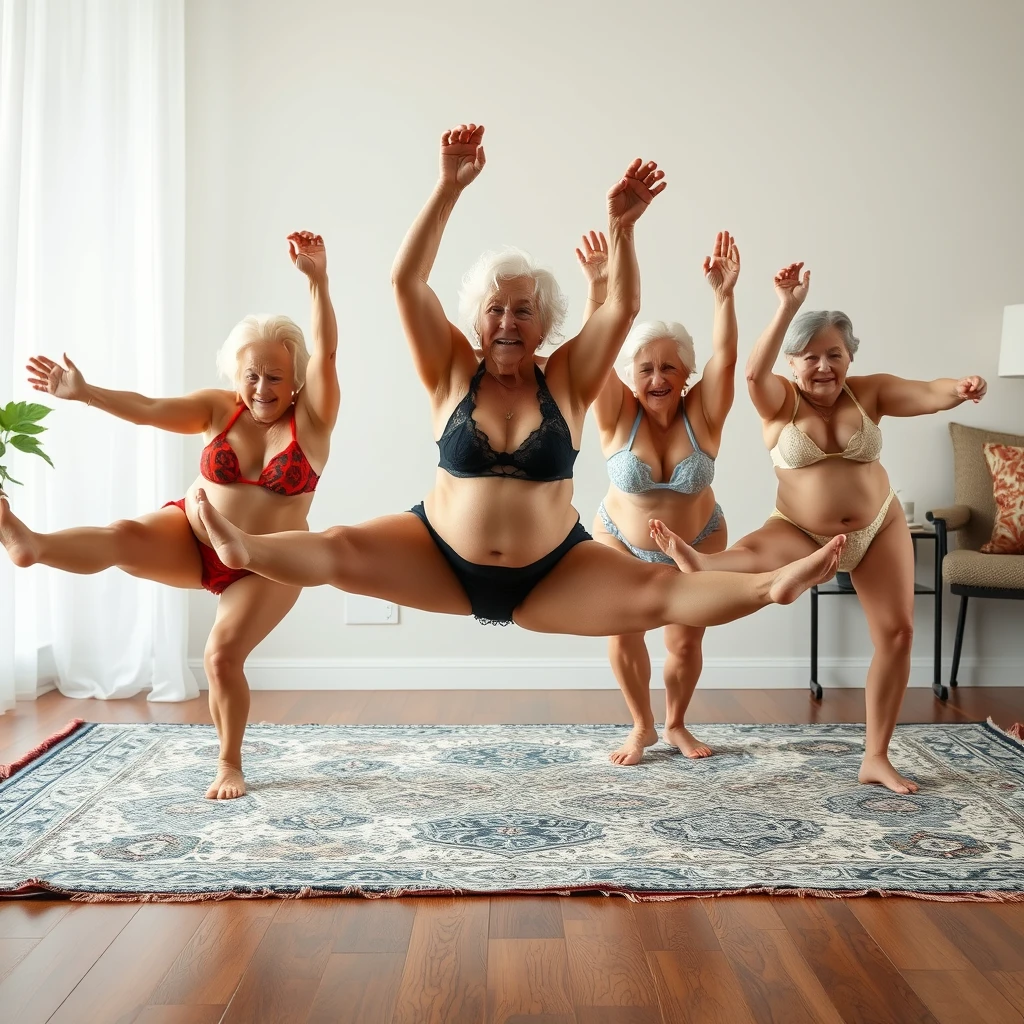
x,y
1011,349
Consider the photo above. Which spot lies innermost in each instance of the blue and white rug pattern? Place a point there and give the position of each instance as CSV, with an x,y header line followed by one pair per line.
x,y
119,809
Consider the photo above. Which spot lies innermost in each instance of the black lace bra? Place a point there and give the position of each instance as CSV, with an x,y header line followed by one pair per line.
x,y
547,454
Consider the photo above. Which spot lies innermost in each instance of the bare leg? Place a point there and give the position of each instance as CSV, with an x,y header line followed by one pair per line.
x,y
885,585
632,667
594,591
393,558
773,545
247,612
159,546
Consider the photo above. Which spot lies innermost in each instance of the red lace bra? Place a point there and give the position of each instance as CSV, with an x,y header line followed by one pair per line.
x,y
288,472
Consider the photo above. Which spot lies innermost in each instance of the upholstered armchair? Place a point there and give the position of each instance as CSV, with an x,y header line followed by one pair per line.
x,y
968,571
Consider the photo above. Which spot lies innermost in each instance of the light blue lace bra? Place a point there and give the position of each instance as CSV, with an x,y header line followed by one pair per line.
x,y
633,476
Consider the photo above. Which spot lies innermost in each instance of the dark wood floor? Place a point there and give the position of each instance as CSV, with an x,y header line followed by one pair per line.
x,y
541,960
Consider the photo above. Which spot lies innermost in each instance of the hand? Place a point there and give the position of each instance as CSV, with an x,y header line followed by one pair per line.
x,y
593,259
790,288
971,389
462,155
308,254
634,191
723,268
60,381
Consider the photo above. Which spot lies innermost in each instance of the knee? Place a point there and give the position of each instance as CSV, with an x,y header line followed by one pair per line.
x,y
896,637
684,643
341,552
223,661
628,645
127,532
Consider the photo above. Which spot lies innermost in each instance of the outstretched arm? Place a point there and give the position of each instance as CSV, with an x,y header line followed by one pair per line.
x,y
718,381
592,352
899,397
321,390
593,260
767,389
190,414
435,342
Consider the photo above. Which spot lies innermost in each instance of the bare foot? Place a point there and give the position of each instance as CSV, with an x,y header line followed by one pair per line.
x,y
877,769
792,580
633,749
16,537
681,737
687,559
227,540
229,784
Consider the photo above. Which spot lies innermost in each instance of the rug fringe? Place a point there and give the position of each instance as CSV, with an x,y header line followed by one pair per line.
x,y
7,770
1015,731
39,887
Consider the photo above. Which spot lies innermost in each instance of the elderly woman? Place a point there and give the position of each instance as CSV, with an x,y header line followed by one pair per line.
x,y
822,430
267,441
498,536
660,437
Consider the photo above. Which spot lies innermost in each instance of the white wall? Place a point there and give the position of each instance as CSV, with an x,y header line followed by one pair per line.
x,y
879,142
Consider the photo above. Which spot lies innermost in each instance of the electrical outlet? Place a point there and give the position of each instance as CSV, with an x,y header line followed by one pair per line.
x,y
369,611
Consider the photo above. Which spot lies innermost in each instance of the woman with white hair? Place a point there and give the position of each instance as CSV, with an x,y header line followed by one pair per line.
x,y
498,537
822,430
267,440
660,437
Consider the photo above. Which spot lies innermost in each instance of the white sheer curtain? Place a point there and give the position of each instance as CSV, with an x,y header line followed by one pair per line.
x,y
92,183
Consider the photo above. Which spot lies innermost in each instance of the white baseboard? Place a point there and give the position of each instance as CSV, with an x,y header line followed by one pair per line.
x,y
581,673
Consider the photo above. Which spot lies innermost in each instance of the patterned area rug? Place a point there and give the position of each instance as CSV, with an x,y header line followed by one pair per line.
x,y
117,810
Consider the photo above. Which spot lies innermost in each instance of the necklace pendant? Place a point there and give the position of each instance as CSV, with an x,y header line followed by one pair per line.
x,y
508,416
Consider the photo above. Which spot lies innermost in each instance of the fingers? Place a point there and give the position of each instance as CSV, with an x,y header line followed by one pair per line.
x,y
464,134
581,258
67,362
481,157
709,262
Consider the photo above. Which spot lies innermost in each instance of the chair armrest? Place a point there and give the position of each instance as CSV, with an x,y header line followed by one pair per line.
x,y
955,517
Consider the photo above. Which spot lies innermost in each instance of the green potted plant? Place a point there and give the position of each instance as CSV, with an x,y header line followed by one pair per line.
x,y
19,427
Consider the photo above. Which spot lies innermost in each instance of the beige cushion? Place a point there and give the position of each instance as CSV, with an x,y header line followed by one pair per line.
x,y
973,569
973,484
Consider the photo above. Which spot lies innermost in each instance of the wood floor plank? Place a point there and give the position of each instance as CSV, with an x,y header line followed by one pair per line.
x,y
962,997
43,979
1011,984
209,968
31,919
907,935
860,980
196,1014
675,924
700,986
12,952
445,976
151,941
358,988
608,1015
525,917
284,974
988,941
607,962
374,926
776,981
527,978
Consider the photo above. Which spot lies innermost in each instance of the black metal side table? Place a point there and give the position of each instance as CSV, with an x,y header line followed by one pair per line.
x,y
917,533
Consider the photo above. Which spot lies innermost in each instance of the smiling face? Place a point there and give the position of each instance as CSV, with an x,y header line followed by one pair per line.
x,y
266,379
820,370
509,325
659,375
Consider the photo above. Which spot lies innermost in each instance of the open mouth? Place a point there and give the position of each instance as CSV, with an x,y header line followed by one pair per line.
x,y
659,393
507,341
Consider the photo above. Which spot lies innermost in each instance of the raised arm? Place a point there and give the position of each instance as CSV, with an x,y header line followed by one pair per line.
x,y
321,392
190,414
718,381
593,260
436,343
767,390
898,397
590,355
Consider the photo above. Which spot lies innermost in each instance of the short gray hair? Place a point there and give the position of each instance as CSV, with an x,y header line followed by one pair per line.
x,y
484,277
803,329
643,334
264,327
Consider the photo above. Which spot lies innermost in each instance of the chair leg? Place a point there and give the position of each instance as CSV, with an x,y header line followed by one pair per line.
x,y
961,620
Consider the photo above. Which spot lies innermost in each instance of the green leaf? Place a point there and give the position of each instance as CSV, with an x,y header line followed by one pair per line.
x,y
28,412
26,428
4,425
3,448
6,477
30,446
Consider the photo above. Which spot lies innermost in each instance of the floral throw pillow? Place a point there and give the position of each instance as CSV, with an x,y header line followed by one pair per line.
x,y
1006,464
